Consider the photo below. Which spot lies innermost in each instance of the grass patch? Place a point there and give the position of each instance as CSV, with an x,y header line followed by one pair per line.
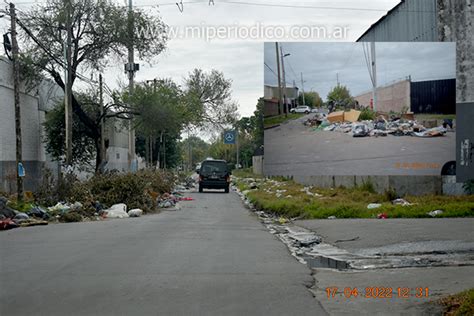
x,y
246,173
274,120
459,304
288,198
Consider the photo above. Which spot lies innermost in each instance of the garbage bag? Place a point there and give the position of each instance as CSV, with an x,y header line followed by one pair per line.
x,y
360,130
38,212
7,224
21,216
117,211
136,212
4,209
373,205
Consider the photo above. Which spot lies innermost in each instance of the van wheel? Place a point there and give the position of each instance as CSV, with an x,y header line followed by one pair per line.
x,y
200,188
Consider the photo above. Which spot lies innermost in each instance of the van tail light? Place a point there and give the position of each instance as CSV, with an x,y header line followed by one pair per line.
x,y
227,178
200,178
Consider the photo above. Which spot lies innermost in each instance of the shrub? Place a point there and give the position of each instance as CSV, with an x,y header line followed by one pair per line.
x,y
72,217
367,115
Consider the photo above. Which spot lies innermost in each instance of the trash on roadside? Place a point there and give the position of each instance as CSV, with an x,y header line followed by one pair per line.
x,y
382,216
136,212
282,220
432,132
402,202
352,115
360,130
21,216
116,211
435,213
38,212
305,239
7,223
4,209
60,207
33,222
373,205
186,199
332,217
336,116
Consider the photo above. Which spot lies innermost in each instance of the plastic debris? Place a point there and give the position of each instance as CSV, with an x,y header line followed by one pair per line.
x,y
382,216
4,209
435,213
21,216
60,207
373,205
38,212
402,202
332,217
136,212
116,211
186,199
7,223
360,130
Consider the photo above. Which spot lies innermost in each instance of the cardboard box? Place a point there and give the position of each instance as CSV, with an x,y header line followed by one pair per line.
x,y
351,116
336,117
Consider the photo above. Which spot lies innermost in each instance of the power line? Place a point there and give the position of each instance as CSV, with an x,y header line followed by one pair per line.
x,y
270,69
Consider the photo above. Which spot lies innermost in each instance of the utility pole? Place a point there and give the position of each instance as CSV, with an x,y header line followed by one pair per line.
x,y
284,81
102,127
374,76
16,92
68,86
237,146
302,88
280,105
131,68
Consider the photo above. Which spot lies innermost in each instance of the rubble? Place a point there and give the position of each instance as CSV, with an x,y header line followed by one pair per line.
x,y
346,122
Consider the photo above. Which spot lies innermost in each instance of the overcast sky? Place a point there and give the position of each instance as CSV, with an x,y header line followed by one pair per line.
x,y
240,60
321,63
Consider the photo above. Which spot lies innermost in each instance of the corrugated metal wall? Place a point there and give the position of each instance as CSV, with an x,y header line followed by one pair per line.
x,y
435,96
408,21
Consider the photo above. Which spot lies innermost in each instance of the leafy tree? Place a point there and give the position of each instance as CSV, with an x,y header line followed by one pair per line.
x,y
100,34
311,99
340,97
207,97
198,147
83,146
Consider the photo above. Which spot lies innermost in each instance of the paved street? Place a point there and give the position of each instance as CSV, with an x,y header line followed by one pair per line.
x,y
417,239
294,149
210,258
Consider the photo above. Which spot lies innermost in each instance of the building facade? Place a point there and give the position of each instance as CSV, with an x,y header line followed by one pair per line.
x,y
431,21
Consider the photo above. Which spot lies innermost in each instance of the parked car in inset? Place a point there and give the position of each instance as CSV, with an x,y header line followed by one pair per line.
x,y
214,174
301,109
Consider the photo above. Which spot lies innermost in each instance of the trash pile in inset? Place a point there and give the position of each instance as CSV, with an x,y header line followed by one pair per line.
x,y
383,125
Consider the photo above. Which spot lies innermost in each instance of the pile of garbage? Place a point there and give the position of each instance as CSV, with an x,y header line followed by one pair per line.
x,y
10,218
395,126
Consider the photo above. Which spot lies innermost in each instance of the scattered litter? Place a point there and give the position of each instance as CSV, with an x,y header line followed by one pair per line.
x,y
4,209
332,217
402,202
382,216
282,220
360,130
116,211
7,223
21,216
373,205
38,212
435,213
136,212
60,207
186,199
305,239
33,222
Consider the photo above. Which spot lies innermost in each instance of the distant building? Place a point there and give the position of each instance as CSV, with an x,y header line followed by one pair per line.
x,y
432,96
431,21
34,104
271,96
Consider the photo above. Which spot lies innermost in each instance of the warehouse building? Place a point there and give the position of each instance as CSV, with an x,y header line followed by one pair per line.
x,y
432,96
431,21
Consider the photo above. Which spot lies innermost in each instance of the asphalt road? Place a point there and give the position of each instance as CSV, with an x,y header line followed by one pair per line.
x,y
415,238
294,149
210,258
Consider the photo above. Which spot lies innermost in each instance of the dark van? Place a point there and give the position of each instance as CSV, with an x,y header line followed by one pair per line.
x,y
214,174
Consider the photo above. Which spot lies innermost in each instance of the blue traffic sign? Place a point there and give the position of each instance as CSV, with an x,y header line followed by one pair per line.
x,y
229,137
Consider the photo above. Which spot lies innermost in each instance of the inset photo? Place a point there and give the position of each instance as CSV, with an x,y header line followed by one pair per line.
x,y
341,109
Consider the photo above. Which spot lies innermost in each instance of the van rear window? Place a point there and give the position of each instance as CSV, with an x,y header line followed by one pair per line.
x,y
213,166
